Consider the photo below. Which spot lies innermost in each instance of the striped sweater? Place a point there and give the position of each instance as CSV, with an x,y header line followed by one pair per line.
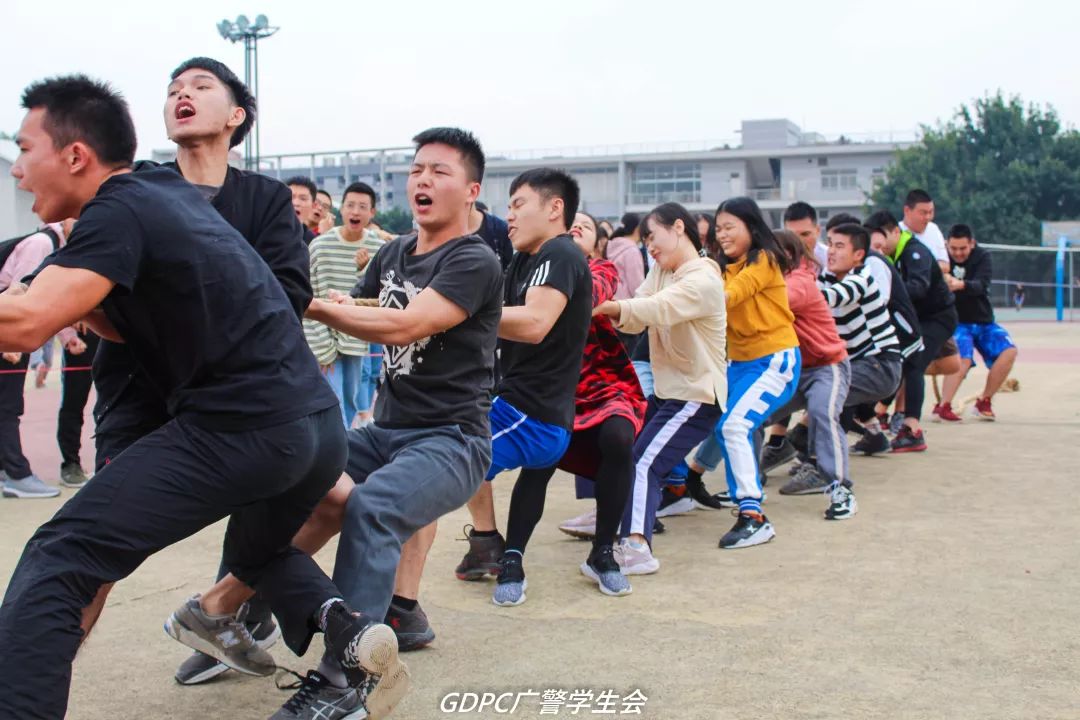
x,y
861,315
333,267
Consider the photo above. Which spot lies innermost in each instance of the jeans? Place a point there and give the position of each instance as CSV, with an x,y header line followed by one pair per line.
x,y
344,376
369,377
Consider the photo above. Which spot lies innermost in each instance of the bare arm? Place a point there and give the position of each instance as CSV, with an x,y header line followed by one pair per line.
x,y
530,323
429,313
57,298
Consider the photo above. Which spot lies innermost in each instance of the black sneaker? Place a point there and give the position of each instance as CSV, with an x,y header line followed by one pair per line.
x,y
200,668
483,557
748,530
602,567
511,583
872,443
908,441
672,504
773,457
368,653
317,699
658,528
411,627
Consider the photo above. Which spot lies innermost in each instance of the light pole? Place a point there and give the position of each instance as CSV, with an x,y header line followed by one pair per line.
x,y
250,33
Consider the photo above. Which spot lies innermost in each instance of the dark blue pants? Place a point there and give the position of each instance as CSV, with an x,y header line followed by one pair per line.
x,y
164,488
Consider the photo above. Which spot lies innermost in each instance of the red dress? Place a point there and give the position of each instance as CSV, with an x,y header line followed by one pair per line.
x,y
609,385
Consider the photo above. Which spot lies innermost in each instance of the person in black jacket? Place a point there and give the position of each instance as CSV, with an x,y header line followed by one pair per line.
x,y
970,274
935,306
208,110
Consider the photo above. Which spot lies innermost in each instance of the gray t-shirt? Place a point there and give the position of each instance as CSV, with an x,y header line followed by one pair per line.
x,y
208,191
445,379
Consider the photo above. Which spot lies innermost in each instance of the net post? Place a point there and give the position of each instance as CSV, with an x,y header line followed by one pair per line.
x,y
1059,291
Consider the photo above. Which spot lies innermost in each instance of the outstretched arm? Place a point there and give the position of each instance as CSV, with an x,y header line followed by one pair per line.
x,y
58,297
429,313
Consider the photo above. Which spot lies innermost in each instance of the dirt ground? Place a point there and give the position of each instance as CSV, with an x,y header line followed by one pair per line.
x,y
952,594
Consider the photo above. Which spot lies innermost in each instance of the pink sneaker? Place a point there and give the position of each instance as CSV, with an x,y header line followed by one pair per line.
x,y
636,558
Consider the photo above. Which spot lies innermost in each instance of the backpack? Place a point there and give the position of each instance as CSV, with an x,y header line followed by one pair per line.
x,y
8,246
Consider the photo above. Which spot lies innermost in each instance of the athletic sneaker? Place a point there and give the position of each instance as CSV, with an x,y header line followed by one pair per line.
x,y
411,627
635,558
483,556
225,638
773,456
511,583
842,505
808,481
703,499
30,486
943,412
317,699
72,475
896,423
368,653
872,443
983,410
201,667
583,526
749,529
908,441
602,567
672,504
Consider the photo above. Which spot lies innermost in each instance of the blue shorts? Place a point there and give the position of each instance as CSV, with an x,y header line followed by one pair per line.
x,y
519,441
990,339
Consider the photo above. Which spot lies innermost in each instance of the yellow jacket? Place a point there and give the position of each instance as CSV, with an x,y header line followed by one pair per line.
x,y
759,321
684,312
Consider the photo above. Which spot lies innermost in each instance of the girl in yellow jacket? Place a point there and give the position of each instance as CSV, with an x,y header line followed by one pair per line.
x,y
681,303
764,360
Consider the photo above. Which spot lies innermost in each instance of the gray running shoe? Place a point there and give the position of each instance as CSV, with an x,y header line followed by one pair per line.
x,y
72,475
774,457
199,667
511,583
411,627
30,486
227,639
483,556
808,481
317,699
602,567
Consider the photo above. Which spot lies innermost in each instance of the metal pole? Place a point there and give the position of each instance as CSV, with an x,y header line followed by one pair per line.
x,y
1059,291
382,179
1072,286
255,72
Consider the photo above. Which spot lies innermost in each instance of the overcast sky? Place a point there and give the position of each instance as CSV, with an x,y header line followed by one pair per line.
x,y
561,73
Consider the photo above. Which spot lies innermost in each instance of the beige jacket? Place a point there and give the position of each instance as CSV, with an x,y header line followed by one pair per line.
x,y
686,316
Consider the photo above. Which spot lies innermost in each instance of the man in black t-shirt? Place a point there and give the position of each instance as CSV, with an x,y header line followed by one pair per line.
x,y
493,230
545,322
254,435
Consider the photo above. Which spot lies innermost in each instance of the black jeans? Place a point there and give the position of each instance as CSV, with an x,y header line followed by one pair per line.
x,y
74,392
164,488
936,329
12,383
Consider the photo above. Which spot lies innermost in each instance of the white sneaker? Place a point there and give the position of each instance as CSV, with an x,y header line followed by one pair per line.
x,y
635,558
583,526
680,506
842,504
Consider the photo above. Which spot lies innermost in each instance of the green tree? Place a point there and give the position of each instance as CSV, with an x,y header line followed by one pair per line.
x,y
395,220
998,166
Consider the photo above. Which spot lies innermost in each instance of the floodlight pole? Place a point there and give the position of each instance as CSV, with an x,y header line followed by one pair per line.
x,y
250,34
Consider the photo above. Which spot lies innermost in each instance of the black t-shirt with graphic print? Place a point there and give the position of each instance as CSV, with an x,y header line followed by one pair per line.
x,y
445,379
540,380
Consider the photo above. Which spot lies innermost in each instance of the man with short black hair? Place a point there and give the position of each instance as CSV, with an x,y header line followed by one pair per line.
x,y
969,278
919,221
254,434
802,219
307,209
935,306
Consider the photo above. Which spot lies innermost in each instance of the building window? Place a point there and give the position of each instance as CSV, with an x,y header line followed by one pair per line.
x,y
838,180
672,182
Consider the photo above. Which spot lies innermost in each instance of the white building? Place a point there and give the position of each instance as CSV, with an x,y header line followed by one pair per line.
x,y
16,217
776,163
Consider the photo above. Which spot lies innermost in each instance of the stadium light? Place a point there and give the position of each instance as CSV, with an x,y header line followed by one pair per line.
x,y
243,30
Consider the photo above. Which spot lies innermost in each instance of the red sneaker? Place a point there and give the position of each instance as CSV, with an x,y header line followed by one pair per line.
x,y
908,441
944,413
983,410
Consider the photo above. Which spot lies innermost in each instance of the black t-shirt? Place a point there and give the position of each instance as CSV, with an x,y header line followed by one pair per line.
x,y
973,302
540,380
199,310
496,233
445,379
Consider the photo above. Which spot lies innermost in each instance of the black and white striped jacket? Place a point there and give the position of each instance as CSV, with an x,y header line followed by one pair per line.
x,y
862,318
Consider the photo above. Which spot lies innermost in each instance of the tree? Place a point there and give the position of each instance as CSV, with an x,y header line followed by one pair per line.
x,y
998,166
395,220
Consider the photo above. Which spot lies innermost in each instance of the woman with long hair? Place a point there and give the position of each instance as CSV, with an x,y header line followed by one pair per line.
x,y
681,304
763,359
